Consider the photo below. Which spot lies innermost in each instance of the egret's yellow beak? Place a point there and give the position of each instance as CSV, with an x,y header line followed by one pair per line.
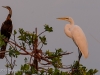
x,y
63,18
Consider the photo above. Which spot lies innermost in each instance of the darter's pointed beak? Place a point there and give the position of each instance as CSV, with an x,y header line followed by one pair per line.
x,y
4,6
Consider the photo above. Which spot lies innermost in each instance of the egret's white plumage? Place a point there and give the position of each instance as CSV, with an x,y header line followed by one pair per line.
x,y
77,35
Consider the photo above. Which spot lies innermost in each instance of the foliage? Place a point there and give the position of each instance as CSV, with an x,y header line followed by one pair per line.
x,y
81,70
1,40
31,43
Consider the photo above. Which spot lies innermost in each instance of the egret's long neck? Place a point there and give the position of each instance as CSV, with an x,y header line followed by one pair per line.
x,y
9,15
71,21
67,30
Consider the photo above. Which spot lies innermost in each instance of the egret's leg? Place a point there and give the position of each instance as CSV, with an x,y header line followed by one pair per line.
x,y
80,54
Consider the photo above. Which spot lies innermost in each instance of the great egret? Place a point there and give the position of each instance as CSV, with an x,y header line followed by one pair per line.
x,y
6,30
77,35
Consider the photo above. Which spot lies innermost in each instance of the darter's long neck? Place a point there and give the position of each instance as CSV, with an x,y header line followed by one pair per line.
x,y
9,15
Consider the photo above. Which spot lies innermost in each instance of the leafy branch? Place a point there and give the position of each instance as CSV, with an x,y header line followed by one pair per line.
x,y
39,62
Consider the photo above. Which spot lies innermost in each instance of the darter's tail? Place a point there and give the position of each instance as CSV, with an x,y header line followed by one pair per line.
x,y
3,48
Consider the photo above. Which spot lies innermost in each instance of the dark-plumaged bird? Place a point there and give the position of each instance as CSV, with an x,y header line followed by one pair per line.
x,y
6,30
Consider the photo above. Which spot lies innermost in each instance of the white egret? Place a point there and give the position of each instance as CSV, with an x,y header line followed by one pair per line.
x,y
77,35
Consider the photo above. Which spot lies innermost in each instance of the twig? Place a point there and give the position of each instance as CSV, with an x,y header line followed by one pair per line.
x,y
41,33
15,42
29,47
58,55
7,63
20,48
7,60
41,46
44,64
39,43
46,60
3,51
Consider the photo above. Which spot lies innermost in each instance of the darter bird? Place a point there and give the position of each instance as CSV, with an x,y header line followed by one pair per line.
x,y
6,30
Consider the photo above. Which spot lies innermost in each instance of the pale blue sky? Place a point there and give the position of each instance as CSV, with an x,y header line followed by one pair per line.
x,y
29,14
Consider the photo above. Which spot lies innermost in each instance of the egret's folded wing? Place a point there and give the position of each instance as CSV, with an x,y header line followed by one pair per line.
x,y
80,40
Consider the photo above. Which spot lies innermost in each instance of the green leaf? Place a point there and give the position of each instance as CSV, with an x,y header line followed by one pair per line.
x,y
43,40
25,60
47,28
42,72
21,31
22,67
13,52
15,32
50,70
18,73
26,67
1,40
